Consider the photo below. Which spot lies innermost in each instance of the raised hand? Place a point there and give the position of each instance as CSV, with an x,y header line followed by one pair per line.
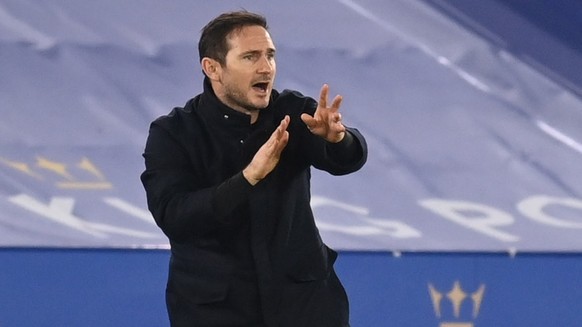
x,y
326,122
268,155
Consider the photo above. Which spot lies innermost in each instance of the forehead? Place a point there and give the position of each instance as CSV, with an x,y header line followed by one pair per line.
x,y
250,38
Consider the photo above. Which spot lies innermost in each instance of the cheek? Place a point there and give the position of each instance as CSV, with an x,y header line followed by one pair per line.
x,y
231,81
239,76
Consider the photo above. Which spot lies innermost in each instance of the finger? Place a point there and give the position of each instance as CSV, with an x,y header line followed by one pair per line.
x,y
282,137
323,96
339,121
308,120
285,122
337,101
282,142
280,134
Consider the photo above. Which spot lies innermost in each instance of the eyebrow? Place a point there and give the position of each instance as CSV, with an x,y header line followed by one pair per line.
x,y
270,51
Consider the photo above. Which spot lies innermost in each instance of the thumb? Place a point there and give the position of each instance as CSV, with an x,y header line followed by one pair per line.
x,y
309,121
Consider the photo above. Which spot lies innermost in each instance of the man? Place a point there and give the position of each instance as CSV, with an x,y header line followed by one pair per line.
x,y
227,180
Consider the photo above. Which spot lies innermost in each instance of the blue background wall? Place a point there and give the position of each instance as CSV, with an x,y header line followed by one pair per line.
x,y
94,288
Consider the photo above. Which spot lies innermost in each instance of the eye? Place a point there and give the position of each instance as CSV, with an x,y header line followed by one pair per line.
x,y
249,56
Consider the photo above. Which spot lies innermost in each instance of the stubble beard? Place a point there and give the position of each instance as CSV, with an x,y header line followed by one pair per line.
x,y
238,98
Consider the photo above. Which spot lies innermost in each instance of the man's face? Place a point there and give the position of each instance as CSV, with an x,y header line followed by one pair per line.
x,y
247,78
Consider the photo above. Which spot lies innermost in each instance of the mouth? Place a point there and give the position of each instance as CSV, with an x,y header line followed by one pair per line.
x,y
261,87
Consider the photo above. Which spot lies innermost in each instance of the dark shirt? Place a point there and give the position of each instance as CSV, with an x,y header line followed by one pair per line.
x,y
218,224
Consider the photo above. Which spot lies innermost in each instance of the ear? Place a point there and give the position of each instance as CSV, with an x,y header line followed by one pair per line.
x,y
211,68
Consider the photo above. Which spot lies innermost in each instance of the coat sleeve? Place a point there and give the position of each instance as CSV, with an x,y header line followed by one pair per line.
x,y
348,155
180,205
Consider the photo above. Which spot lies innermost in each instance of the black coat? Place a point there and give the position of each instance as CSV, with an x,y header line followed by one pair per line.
x,y
254,246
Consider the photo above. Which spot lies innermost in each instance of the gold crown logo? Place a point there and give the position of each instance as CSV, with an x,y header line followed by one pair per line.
x,y
457,297
88,176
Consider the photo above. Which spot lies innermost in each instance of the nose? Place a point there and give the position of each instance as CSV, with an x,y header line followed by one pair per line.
x,y
266,64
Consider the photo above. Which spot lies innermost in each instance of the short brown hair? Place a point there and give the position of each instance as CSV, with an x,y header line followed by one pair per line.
x,y
213,41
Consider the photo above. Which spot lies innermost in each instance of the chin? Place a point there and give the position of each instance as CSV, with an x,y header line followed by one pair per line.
x,y
261,104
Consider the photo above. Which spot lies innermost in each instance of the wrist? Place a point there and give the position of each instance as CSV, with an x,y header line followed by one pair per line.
x,y
250,177
338,138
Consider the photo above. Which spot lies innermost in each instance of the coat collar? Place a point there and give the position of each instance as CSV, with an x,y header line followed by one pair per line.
x,y
211,108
